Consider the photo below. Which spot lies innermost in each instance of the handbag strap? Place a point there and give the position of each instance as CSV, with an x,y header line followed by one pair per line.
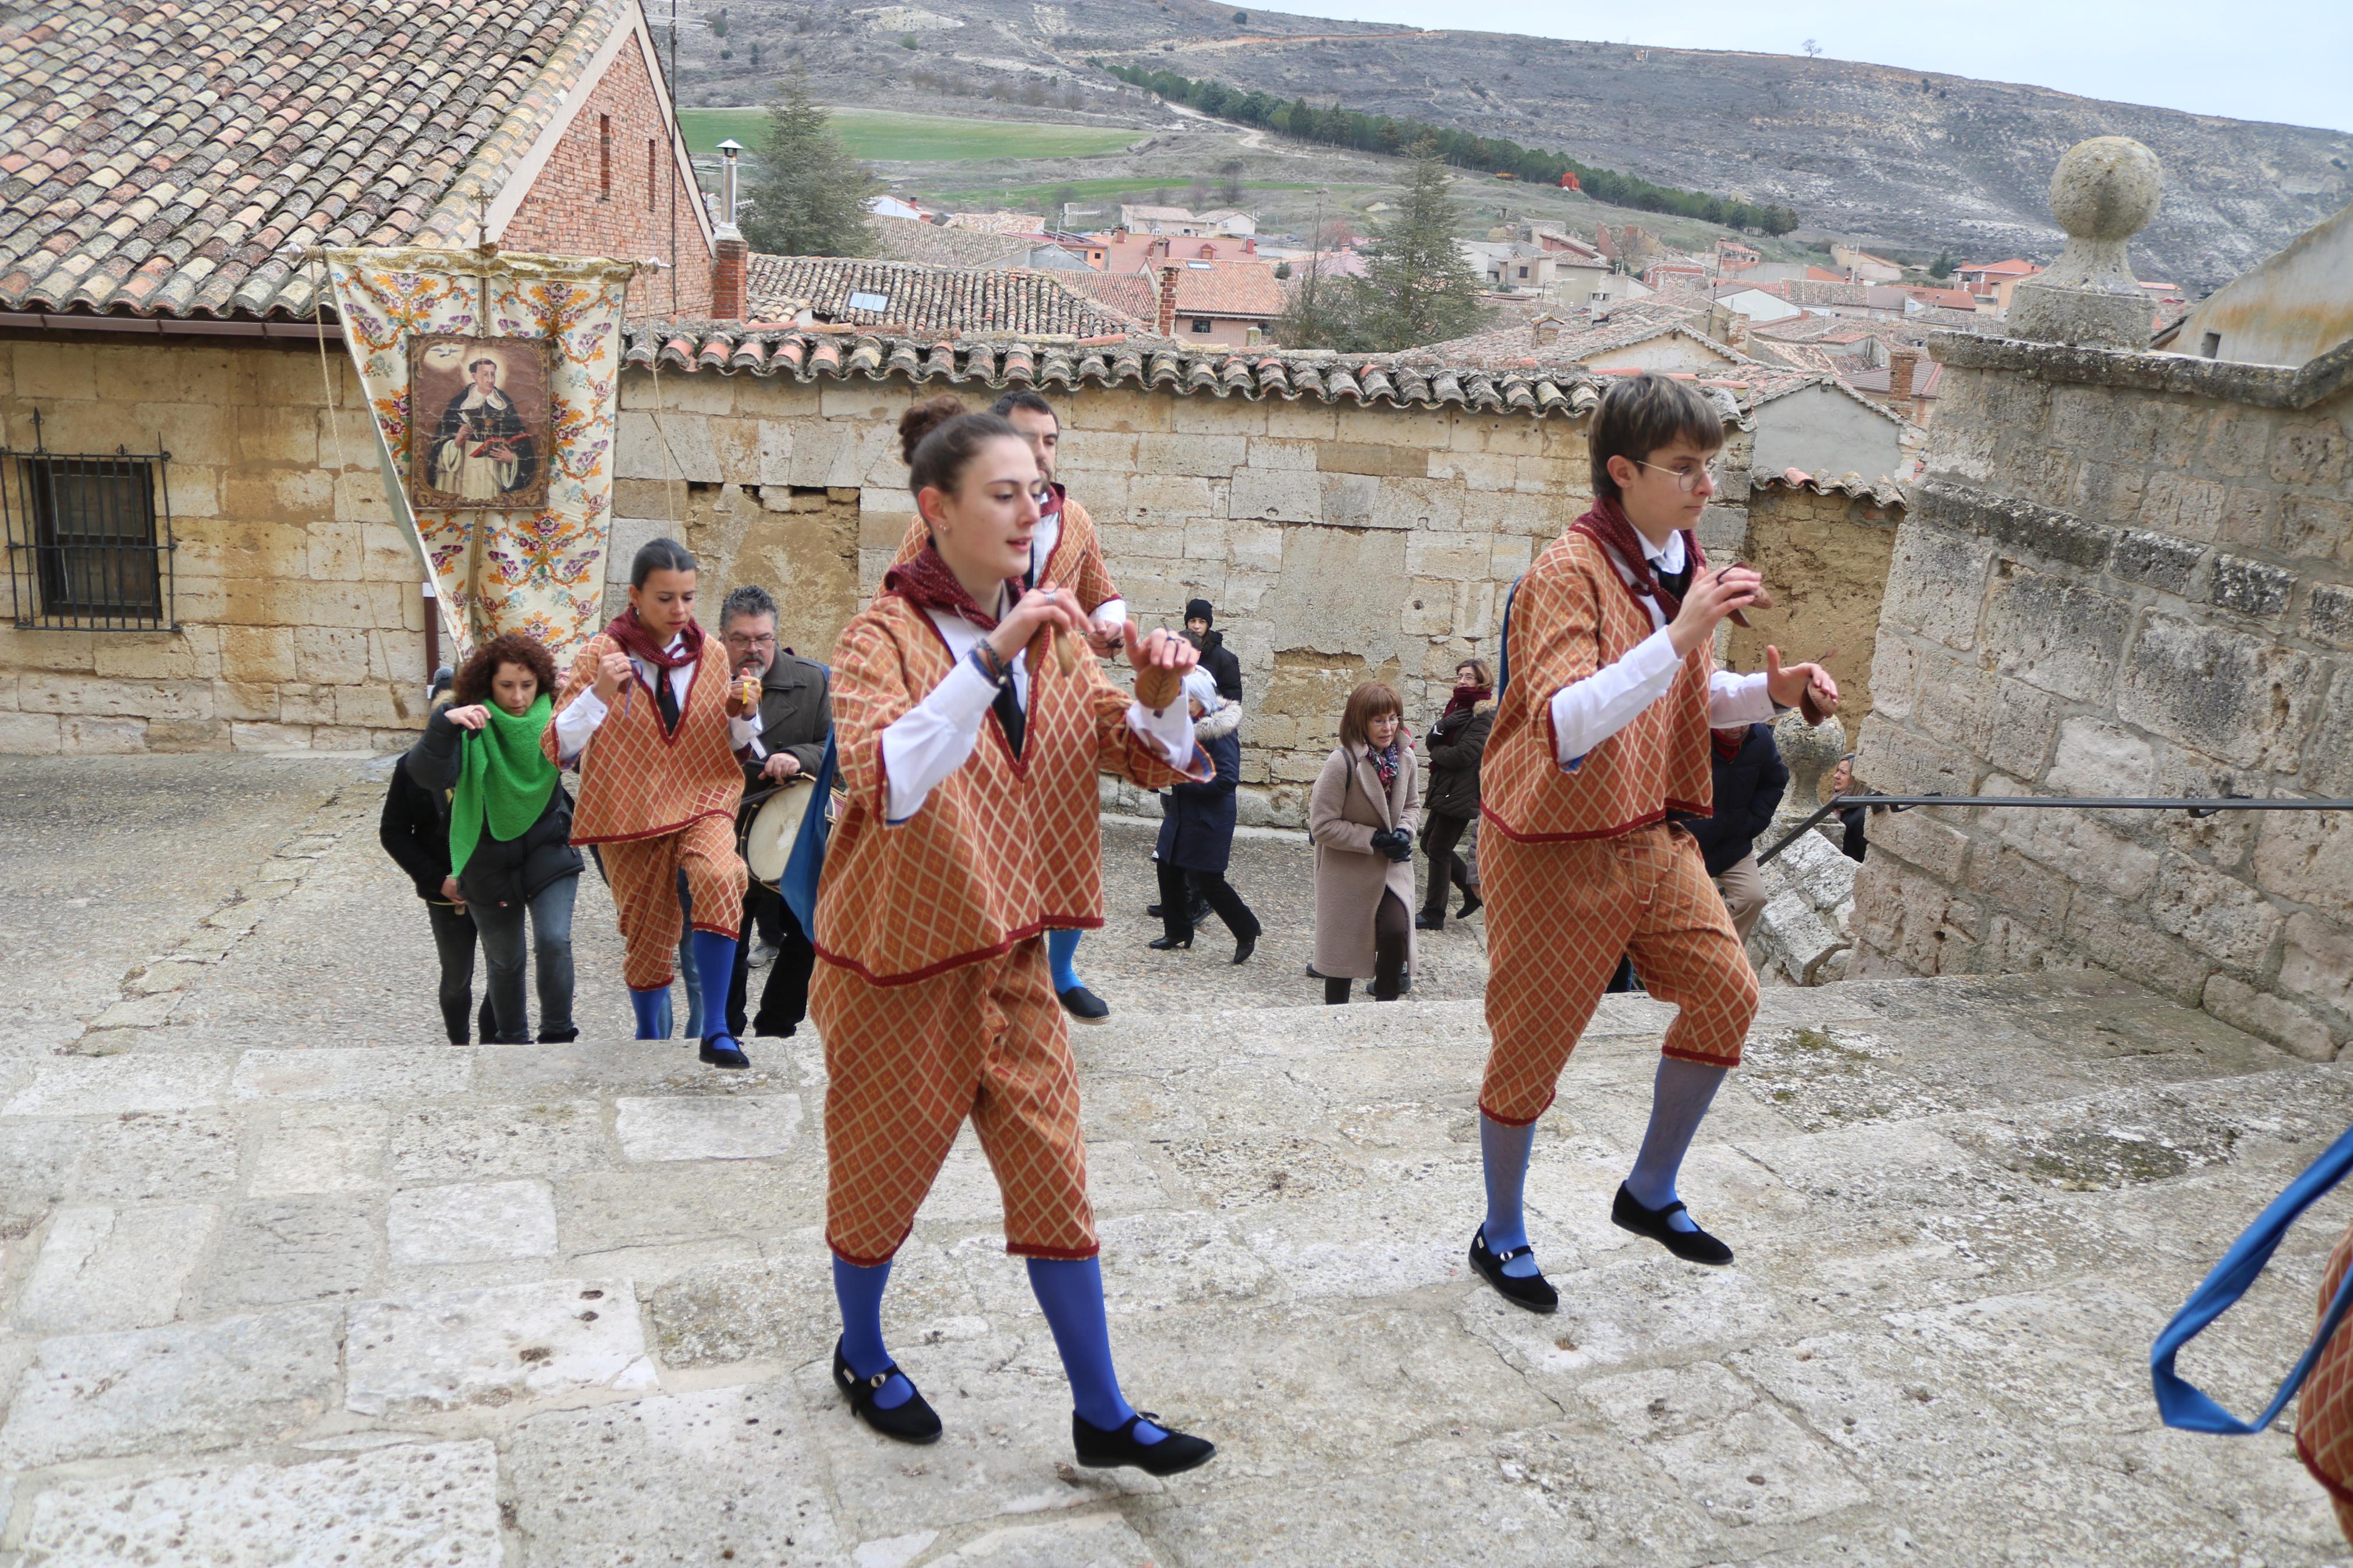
x,y
1503,641
2188,1408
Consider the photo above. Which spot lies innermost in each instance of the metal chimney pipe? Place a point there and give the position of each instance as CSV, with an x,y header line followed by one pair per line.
x,y
728,149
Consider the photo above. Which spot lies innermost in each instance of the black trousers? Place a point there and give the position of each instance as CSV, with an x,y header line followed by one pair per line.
x,y
784,1000
1439,835
453,940
1177,890
1392,933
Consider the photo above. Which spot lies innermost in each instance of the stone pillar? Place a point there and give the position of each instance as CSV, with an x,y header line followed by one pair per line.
x,y
2103,193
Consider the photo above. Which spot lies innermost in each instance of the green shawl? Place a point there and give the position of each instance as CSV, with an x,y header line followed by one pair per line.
x,y
503,779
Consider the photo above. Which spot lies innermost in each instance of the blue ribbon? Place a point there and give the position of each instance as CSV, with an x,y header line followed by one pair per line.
x,y
2188,1408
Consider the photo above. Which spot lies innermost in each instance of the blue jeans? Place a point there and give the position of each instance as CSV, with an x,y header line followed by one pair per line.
x,y
501,926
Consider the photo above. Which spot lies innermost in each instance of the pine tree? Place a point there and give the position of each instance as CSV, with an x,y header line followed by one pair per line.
x,y
809,195
1417,286
1942,265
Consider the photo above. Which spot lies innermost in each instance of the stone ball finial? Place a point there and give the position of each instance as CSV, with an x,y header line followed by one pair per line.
x,y
2107,188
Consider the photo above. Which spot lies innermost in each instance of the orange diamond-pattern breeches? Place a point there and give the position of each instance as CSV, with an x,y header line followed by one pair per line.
x,y
906,1064
1560,915
2324,1410
644,875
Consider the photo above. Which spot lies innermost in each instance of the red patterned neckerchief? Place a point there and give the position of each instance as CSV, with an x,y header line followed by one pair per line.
x,y
1727,742
1607,524
928,584
637,640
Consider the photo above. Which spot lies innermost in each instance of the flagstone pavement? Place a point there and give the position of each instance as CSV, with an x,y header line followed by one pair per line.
x,y
285,1280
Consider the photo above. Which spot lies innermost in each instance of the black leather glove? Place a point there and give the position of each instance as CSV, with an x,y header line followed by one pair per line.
x,y
1394,843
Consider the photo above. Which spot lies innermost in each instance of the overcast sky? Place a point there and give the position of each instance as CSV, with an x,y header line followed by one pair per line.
x,y
2288,61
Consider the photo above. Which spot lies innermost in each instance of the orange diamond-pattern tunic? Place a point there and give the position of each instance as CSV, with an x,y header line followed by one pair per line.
x,y
1076,562
1582,867
2324,1409
659,803
930,992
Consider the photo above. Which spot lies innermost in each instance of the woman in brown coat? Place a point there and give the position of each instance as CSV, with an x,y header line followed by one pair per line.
x,y
1362,815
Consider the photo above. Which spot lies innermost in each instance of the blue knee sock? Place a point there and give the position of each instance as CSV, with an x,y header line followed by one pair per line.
x,y
1062,957
1503,1160
715,964
1071,1295
1679,1101
860,1293
651,1007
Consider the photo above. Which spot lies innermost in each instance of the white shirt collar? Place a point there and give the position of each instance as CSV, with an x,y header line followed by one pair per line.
x,y
1667,558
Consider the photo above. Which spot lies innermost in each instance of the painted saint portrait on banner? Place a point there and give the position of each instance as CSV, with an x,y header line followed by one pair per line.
x,y
481,411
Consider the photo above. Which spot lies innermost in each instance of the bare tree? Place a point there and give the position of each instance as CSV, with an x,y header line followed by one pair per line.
x,y
1813,50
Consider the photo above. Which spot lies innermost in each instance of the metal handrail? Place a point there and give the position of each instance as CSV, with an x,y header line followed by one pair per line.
x,y
2194,806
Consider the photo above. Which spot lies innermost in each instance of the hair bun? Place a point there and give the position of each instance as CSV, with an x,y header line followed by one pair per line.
x,y
923,419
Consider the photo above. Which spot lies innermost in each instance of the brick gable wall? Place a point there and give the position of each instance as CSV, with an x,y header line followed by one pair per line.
x,y
592,198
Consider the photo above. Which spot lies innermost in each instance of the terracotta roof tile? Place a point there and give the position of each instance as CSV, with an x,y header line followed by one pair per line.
x,y
1230,289
1129,294
937,244
160,151
1881,492
965,300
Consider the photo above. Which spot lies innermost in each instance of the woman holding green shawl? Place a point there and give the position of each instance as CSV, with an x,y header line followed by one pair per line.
x,y
510,826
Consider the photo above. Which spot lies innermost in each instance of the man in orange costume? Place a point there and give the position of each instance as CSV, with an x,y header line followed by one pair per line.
x,y
1065,551
1601,738
970,740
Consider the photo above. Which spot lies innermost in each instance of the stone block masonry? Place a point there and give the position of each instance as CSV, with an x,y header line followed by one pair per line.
x,y
1825,556
2123,574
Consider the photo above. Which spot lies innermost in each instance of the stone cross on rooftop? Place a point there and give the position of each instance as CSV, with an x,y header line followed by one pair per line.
x,y
2103,193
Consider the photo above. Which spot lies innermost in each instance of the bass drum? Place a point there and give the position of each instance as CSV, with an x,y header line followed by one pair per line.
x,y
776,826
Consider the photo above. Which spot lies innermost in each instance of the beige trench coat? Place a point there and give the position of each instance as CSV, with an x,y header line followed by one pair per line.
x,y
1346,807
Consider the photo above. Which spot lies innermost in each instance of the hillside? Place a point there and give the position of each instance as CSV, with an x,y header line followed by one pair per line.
x,y
1893,157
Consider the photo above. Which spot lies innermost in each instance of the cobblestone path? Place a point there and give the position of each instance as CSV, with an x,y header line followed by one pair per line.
x,y
288,1281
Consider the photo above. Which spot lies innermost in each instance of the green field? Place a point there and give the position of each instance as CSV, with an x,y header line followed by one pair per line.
x,y
923,138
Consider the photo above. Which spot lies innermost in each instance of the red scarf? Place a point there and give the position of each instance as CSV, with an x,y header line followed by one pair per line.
x,y
928,584
1465,697
1727,742
1607,524
637,640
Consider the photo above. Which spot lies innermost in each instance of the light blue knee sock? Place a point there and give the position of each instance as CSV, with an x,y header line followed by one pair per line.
x,y
714,966
860,1293
1679,1102
1503,1158
1062,957
1071,1295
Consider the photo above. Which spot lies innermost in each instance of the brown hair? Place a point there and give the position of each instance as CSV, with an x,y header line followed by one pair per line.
x,y
940,437
474,677
1373,700
1486,676
1643,413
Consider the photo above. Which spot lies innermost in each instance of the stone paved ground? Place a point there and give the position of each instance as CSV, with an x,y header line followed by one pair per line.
x,y
286,1280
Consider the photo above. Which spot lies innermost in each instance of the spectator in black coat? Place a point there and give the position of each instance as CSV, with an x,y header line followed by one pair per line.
x,y
1216,657
1197,829
1750,782
1854,840
1457,741
415,831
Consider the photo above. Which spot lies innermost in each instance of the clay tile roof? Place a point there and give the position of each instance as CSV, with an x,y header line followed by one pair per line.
x,y
161,153
937,244
1230,289
1515,345
1254,373
964,300
1881,492
1129,294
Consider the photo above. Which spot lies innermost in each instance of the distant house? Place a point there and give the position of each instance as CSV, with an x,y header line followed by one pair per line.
x,y
1990,282
1865,267
1164,220
1228,221
2288,308
907,297
888,205
1758,306
1907,383
1918,299
1126,250
1219,301
1822,425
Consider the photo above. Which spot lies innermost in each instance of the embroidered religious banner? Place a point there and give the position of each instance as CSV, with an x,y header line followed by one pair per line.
x,y
492,381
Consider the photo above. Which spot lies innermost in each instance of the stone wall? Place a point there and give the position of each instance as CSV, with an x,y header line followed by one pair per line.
x,y
1338,541
1824,553
301,624
2123,574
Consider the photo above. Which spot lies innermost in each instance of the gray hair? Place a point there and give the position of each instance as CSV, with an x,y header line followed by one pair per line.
x,y
751,599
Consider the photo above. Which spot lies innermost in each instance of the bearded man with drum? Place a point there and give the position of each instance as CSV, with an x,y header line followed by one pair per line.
x,y
796,715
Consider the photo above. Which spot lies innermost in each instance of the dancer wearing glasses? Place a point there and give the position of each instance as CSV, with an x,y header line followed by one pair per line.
x,y
1602,734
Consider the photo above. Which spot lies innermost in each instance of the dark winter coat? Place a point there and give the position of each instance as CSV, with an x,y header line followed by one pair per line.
x,y
415,831
1196,822
796,712
1457,741
1748,789
1219,661
501,871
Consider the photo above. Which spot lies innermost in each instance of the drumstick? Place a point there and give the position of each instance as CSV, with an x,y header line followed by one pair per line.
x,y
1066,655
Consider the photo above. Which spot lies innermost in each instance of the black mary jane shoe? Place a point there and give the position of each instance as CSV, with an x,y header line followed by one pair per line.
x,y
1103,1451
1171,943
1533,1291
1692,1246
1083,1006
721,1051
914,1421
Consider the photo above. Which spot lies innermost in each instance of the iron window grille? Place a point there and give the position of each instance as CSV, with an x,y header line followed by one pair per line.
x,y
89,538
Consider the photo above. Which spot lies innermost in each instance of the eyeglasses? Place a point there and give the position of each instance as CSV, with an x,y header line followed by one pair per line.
x,y
745,640
1686,479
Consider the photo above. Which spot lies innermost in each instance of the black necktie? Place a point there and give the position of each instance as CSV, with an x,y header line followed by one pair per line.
x,y
666,699
1009,716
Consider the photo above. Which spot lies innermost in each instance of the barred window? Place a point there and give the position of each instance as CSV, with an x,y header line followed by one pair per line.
x,y
88,546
